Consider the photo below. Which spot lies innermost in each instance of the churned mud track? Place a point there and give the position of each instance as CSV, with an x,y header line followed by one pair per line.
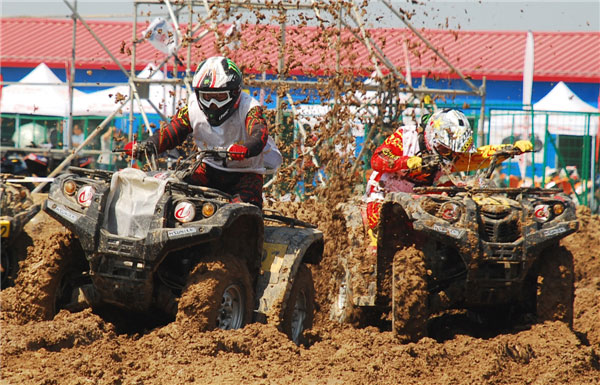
x,y
84,348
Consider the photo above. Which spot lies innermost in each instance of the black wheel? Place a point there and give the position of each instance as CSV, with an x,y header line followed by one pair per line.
x,y
300,308
555,286
8,264
13,252
409,295
218,295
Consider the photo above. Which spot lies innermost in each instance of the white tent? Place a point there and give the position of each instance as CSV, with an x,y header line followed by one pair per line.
x,y
104,102
561,98
561,111
41,92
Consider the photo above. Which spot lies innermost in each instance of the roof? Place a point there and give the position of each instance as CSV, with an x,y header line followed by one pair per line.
x,y
497,55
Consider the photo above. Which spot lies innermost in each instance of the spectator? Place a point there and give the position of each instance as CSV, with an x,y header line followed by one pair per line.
x,y
106,159
77,137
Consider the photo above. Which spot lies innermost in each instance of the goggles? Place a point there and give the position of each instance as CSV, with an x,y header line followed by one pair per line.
x,y
219,99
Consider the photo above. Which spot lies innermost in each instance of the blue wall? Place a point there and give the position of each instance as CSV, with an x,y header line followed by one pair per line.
x,y
499,93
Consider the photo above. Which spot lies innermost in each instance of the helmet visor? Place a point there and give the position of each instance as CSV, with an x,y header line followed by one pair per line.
x,y
219,99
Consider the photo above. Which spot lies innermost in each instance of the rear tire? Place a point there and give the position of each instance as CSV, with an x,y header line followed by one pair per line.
x,y
218,295
300,308
409,295
555,286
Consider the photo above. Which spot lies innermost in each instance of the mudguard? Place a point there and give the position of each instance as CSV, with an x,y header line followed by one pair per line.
x,y
285,248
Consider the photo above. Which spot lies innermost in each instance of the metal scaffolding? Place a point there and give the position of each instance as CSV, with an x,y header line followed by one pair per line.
x,y
342,14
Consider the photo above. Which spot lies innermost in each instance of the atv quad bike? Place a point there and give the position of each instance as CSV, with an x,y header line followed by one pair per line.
x,y
493,251
152,242
16,209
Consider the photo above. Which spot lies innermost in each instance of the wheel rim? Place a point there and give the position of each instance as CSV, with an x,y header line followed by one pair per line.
x,y
231,311
298,316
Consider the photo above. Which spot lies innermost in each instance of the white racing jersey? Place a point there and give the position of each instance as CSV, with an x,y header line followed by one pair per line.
x,y
232,131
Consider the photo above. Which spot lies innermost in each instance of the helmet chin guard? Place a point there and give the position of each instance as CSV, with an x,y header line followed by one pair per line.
x,y
217,84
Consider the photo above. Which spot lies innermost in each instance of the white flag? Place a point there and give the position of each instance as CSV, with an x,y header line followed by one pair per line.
x,y
162,36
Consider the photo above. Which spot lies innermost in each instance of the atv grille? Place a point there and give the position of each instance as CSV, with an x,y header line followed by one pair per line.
x,y
120,246
500,227
505,251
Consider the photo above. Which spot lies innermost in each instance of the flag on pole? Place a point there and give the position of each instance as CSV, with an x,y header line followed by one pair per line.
x,y
528,70
162,36
527,90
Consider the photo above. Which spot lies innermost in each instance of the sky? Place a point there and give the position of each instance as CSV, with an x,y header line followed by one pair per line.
x,y
517,15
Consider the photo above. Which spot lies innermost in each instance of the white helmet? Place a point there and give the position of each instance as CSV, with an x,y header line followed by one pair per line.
x,y
218,85
448,130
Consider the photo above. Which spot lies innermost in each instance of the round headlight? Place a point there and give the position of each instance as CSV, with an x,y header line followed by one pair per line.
x,y
69,187
541,213
450,211
184,211
208,210
558,208
85,195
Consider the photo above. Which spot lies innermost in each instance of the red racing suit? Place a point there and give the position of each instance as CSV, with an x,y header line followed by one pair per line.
x,y
391,172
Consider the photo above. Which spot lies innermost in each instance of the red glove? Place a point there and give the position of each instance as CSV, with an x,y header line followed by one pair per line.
x,y
130,149
237,152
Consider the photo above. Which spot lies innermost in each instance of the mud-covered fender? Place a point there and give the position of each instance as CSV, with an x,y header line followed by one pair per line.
x,y
284,249
397,211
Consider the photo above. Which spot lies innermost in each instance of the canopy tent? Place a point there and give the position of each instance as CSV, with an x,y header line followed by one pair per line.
x,y
40,92
104,102
561,111
561,98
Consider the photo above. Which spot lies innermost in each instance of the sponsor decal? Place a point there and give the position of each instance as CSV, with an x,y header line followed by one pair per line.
x,y
451,231
182,231
85,195
66,213
234,67
554,231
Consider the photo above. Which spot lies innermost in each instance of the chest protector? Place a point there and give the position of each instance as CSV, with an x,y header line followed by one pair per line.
x,y
232,131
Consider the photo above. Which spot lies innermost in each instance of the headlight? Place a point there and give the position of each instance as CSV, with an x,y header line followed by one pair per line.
x,y
208,210
541,213
69,187
85,195
558,208
185,211
450,211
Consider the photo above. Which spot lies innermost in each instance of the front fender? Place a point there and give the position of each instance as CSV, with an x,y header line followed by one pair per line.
x,y
285,248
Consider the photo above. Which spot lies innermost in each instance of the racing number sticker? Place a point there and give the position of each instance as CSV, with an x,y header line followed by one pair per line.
x,y
4,228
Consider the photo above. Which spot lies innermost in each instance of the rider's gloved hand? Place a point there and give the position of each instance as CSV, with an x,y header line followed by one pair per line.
x,y
414,163
523,145
131,149
238,152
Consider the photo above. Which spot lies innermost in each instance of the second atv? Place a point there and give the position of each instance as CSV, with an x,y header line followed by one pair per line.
x,y
493,251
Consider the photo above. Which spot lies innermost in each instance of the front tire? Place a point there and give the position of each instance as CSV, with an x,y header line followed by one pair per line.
x,y
555,286
409,295
52,283
218,295
300,307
